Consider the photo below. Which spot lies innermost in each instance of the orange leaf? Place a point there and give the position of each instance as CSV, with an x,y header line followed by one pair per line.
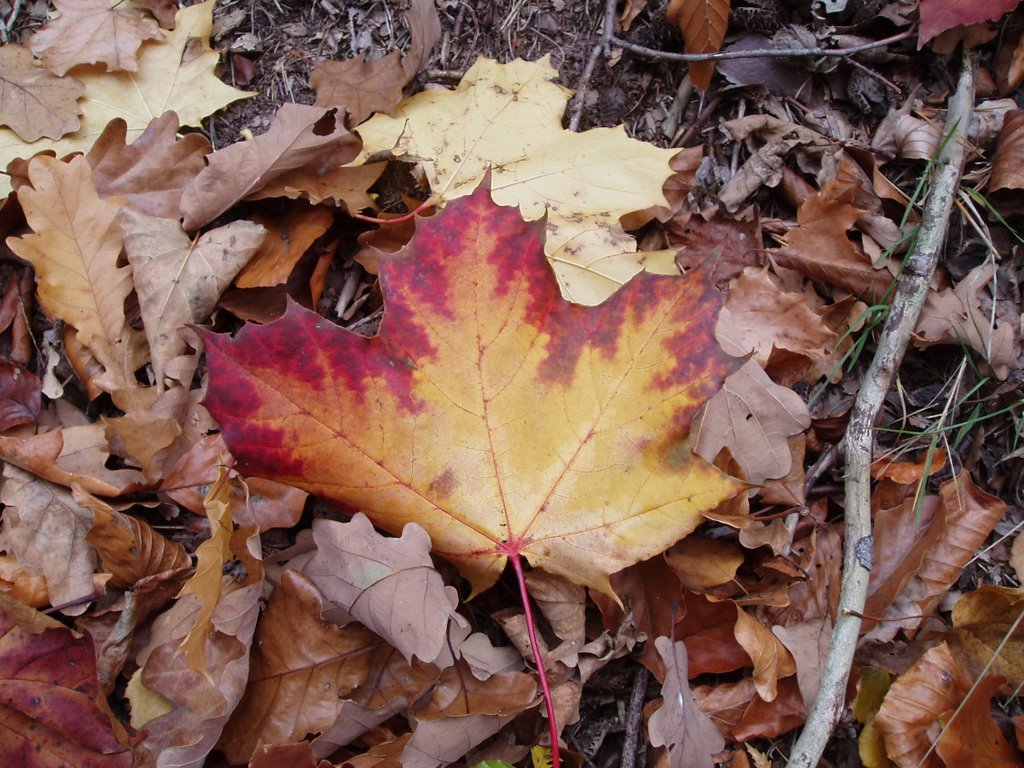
x,y
500,418
703,24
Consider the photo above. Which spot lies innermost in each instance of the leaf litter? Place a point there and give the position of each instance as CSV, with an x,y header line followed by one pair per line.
x,y
253,525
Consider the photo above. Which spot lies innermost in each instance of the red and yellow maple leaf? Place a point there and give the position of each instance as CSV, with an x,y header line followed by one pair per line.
x,y
490,411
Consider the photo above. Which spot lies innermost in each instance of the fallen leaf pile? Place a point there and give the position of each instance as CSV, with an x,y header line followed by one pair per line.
x,y
277,417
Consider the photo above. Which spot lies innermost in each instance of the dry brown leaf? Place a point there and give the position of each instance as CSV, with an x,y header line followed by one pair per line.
x,y
298,136
1008,161
563,604
163,10
45,529
302,669
986,637
753,417
439,742
178,279
33,101
75,250
24,583
289,235
808,641
703,24
129,549
820,248
71,455
254,501
759,316
772,660
91,32
388,584
964,517
701,563
690,735
346,187
151,172
149,438
982,312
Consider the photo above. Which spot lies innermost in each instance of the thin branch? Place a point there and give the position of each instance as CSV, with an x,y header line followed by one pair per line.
x,y
760,53
601,47
859,442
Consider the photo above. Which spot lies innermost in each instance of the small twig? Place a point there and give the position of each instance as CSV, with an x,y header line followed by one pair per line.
x,y
634,718
695,127
601,47
859,441
877,75
760,53
7,26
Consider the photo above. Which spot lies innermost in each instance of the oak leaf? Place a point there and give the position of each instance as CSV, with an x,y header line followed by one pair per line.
x,y
298,136
753,417
364,87
91,32
178,279
500,418
75,250
690,735
151,172
33,101
162,83
388,584
51,705
507,118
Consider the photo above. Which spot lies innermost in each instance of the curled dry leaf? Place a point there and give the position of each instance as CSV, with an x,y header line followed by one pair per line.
x,y
33,101
128,548
151,172
390,585
505,427
1008,161
507,119
922,701
753,417
91,32
52,709
298,136
772,660
679,724
703,24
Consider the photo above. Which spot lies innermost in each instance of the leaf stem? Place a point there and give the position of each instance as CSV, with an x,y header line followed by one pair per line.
x,y
531,628
398,219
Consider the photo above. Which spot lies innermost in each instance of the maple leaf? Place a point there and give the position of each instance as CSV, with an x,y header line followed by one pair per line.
x,y
507,118
33,101
502,419
162,83
90,32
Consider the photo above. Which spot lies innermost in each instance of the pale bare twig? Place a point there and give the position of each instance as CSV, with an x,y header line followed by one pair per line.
x,y
760,53
859,442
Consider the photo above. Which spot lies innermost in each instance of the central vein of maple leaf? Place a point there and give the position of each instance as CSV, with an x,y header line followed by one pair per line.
x,y
501,418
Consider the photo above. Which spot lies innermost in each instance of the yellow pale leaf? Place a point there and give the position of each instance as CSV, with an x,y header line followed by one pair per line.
x,y
507,118
162,83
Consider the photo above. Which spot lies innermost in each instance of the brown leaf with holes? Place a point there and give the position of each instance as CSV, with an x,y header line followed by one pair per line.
x,y
93,32
33,101
703,24
151,172
753,417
